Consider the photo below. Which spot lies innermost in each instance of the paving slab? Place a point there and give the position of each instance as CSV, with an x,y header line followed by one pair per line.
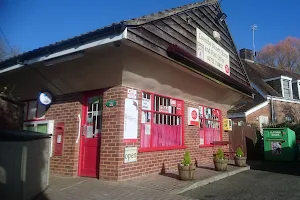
x,y
158,187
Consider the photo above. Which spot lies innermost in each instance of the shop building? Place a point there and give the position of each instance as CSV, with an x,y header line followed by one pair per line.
x,y
129,99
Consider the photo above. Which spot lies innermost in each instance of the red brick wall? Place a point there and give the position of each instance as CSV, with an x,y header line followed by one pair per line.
x,y
253,117
148,162
65,109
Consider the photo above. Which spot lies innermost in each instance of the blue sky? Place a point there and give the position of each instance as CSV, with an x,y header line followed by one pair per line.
x,y
29,24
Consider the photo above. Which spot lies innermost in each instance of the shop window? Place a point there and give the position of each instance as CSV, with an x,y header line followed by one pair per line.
x,y
210,125
34,111
161,123
43,127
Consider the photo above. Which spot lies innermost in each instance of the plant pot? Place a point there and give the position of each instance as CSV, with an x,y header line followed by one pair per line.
x,y
240,161
186,172
221,165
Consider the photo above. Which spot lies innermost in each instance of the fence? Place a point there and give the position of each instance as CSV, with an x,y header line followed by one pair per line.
x,y
245,136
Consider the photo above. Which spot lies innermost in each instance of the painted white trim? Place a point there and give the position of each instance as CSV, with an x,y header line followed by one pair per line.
x,y
256,108
298,86
285,100
79,128
290,86
235,115
257,89
279,77
106,40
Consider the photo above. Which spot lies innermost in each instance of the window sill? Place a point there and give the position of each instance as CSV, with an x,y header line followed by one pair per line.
x,y
213,145
160,148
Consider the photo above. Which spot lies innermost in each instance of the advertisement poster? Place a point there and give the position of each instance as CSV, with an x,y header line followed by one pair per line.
x,y
131,120
173,102
131,94
193,116
178,108
200,111
276,148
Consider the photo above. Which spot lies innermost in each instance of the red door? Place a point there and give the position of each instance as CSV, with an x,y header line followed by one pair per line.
x,y
90,137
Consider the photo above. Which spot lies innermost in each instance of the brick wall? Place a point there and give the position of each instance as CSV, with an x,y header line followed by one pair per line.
x,y
253,117
283,109
65,109
11,113
148,162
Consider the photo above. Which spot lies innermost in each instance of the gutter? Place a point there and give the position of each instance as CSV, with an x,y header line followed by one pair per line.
x,y
114,33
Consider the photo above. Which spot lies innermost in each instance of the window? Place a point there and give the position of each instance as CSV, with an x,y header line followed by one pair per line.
x,y
289,118
34,111
286,85
210,125
161,123
43,127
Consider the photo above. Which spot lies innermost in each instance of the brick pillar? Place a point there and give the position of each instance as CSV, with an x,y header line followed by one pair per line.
x,y
111,156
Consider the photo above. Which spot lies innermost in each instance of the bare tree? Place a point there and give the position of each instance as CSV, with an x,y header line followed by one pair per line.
x,y
6,51
283,55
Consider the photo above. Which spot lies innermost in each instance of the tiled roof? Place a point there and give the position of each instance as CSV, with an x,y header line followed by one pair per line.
x,y
98,33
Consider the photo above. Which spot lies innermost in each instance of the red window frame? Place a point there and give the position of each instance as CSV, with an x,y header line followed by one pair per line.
x,y
219,120
27,102
153,111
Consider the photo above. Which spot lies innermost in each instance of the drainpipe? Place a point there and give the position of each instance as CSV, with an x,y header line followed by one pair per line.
x,y
272,110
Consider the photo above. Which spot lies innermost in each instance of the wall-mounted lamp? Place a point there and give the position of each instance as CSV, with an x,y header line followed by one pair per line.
x,y
222,16
217,35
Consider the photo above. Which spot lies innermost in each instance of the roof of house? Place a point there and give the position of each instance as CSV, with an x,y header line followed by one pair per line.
x,y
98,34
257,74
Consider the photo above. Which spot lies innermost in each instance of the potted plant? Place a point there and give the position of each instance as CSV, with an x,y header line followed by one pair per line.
x,y
239,158
186,169
220,161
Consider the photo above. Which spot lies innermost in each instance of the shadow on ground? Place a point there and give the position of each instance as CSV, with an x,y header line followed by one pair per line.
x,y
290,168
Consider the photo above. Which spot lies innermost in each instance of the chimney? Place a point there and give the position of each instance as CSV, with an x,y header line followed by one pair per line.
x,y
247,55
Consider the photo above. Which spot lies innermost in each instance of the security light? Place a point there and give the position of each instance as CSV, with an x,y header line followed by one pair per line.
x,y
222,16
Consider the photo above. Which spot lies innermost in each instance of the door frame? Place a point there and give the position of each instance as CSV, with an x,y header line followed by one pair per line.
x,y
85,96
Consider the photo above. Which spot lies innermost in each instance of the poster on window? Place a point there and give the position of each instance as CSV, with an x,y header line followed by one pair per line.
x,y
173,102
215,114
193,116
207,113
146,104
130,120
200,111
276,148
178,107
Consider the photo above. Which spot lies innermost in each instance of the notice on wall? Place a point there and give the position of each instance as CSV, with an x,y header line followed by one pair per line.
x,y
130,154
58,140
146,104
193,116
212,53
131,120
131,94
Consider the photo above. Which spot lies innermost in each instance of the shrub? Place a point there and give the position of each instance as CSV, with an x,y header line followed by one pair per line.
x,y
220,154
186,159
239,152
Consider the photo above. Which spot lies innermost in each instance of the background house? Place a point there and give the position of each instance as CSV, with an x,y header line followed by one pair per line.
x,y
276,98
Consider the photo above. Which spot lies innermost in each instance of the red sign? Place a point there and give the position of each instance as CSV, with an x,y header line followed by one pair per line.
x,y
178,107
227,70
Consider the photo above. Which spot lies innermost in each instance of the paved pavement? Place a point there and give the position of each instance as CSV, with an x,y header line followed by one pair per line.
x,y
91,189
252,184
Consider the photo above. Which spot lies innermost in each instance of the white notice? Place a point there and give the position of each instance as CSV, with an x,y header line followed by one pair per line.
x,y
58,140
130,154
131,94
147,129
212,53
146,104
131,120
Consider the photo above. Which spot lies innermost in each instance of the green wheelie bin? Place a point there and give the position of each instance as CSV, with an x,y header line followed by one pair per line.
x,y
279,144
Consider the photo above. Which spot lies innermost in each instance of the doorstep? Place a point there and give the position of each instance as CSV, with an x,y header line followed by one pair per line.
x,y
169,182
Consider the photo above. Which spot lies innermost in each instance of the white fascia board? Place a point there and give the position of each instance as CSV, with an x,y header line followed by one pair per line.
x,y
106,40
235,115
256,108
284,100
287,78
